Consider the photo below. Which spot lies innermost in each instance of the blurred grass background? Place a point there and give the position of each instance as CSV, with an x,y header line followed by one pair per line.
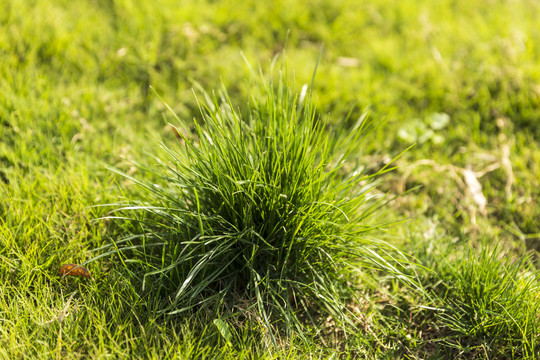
x,y
460,79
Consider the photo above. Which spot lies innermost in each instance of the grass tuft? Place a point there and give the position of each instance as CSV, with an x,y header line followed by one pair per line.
x,y
491,305
253,213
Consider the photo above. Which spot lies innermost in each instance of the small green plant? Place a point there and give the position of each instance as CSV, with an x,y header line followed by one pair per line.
x,y
421,131
491,305
256,213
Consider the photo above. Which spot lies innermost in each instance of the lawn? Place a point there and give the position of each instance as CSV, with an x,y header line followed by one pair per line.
x,y
135,136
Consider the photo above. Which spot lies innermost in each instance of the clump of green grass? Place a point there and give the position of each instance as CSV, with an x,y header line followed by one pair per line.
x,y
491,306
254,212
478,301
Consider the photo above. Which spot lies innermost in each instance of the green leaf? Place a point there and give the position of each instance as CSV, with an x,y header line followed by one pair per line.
x,y
223,328
438,121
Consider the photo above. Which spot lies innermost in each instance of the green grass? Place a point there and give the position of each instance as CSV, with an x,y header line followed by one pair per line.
x,y
75,100
491,306
479,302
253,215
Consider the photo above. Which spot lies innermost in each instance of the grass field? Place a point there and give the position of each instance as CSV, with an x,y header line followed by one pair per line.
x,y
86,93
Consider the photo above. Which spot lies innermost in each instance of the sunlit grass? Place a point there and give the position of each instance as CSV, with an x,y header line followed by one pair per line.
x,y
74,97
252,211
491,305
